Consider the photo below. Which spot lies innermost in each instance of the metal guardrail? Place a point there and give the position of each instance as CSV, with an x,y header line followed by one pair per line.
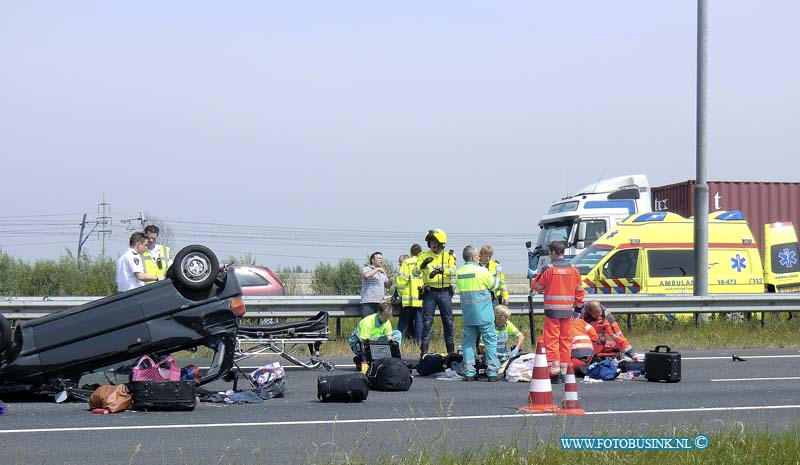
x,y
348,306
22,308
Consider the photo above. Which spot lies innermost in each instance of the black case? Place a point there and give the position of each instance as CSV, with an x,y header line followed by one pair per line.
x,y
342,388
163,395
662,366
389,374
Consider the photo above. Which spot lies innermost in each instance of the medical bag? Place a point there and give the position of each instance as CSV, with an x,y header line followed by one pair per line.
x,y
389,374
662,366
342,388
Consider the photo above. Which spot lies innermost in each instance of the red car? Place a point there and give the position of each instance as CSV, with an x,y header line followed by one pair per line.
x,y
257,280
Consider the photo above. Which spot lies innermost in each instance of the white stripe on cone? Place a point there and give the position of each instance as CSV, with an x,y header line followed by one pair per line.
x,y
541,385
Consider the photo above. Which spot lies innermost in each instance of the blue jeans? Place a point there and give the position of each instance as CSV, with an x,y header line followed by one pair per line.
x,y
489,338
369,308
440,298
410,323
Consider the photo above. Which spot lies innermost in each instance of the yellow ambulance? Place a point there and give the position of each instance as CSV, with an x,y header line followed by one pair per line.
x,y
653,253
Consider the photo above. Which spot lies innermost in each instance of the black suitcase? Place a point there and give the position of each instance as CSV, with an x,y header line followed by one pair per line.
x,y
163,395
342,388
662,366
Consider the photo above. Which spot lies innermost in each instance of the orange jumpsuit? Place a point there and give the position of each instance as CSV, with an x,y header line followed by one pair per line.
x,y
608,329
563,292
583,337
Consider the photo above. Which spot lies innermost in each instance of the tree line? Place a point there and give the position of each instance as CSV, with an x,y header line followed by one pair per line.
x,y
96,276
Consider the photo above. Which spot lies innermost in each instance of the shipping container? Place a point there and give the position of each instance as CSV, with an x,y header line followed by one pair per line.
x,y
761,202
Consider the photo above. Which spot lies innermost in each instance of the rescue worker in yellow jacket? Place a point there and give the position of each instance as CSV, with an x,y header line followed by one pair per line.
x,y
156,257
374,327
408,285
494,267
475,285
436,268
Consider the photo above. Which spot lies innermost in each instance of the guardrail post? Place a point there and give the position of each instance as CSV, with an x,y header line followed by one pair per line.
x,y
338,328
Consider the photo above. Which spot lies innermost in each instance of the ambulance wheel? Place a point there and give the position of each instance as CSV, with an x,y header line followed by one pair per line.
x,y
5,333
195,267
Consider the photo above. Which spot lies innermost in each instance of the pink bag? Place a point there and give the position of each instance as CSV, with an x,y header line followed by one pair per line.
x,y
148,370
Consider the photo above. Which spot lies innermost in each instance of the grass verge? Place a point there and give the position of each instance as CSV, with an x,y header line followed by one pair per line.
x,y
729,447
647,332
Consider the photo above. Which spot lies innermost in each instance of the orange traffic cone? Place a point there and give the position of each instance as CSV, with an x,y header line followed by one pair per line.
x,y
570,404
540,394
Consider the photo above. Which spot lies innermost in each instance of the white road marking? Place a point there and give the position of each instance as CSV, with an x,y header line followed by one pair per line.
x,y
755,379
715,357
746,357
362,421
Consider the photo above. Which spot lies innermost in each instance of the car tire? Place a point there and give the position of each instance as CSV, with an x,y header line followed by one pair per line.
x,y
195,267
5,333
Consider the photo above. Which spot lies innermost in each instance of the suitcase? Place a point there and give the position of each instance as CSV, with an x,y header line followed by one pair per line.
x,y
343,388
662,366
163,395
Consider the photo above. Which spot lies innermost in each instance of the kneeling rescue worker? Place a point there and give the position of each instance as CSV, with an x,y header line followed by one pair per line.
x,y
604,332
436,267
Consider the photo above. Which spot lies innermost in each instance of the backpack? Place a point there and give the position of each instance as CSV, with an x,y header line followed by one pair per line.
x,y
431,363
389,374
605,369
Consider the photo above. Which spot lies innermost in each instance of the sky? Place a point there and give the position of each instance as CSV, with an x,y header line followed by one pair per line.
x,y
307,132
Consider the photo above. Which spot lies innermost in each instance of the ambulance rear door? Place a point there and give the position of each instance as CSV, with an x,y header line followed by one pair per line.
x,y
781,261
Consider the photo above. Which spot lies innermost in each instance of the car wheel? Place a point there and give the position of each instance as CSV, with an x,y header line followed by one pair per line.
x,y
195,267
5,333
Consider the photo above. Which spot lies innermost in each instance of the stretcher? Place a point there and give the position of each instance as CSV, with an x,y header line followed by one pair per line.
x,y
286,339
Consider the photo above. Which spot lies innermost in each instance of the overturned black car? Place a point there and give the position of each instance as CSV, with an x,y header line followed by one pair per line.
x,y
198,305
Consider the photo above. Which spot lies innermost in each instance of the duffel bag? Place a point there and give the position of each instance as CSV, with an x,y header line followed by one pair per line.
x,y
163,395
389,374
112,398
431,363
342,388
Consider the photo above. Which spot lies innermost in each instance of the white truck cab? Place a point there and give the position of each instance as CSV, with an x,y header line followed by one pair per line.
x,y
584,217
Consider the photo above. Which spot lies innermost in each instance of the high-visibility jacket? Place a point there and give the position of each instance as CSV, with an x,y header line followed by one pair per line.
x,y
563,291
407,284
371,328
607,327
503,335
441,261
151,261
496,269
475,285
583,336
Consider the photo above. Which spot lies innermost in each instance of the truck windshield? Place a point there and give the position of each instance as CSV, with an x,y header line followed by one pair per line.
x,y
553,232
587,259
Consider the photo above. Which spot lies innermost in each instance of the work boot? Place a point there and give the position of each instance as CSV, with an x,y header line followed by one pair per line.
x,y
423,349
357,361
492,379
557,379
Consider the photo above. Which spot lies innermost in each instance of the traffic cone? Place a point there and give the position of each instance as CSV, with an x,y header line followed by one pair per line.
x,y
540,394
570,404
